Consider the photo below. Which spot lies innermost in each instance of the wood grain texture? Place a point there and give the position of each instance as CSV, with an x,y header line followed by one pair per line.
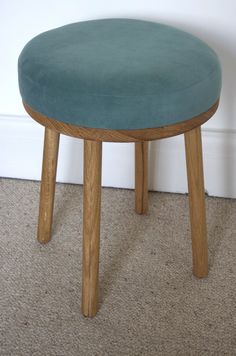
x,y
91,225
193,148
47,191
148,134
141,177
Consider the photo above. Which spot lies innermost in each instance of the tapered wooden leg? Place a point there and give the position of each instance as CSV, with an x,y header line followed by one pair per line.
x,y
47,191
91,225
141,177
193,148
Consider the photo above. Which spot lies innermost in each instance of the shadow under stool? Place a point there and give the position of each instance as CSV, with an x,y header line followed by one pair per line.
x,y
119,80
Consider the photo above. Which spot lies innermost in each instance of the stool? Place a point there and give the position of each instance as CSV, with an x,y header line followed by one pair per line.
x,y
119,80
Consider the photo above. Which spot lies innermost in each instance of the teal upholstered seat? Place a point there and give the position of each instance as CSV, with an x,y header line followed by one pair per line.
x,y
119,74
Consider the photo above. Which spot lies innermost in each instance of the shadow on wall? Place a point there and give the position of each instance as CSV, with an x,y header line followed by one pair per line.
x,y
221,140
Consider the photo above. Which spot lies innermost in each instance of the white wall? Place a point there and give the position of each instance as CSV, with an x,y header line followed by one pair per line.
x,y
21,138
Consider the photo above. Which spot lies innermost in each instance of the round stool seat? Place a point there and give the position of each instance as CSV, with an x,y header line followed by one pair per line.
x,y
119,74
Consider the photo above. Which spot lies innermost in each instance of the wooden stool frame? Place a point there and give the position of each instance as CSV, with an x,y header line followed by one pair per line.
x,y
93,139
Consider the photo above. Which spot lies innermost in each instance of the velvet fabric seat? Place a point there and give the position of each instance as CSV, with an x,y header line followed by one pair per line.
x,y
119,74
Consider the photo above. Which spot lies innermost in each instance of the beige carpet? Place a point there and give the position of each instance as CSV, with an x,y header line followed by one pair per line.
x,y
150,304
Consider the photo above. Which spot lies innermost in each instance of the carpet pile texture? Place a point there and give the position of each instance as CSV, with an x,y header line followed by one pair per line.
x,y
150,303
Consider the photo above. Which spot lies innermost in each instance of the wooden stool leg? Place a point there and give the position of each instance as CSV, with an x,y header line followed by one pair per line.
x,y
49,169
141,177
193,148
91,225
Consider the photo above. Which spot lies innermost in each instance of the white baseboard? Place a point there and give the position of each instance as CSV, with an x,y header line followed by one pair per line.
x,y
21,143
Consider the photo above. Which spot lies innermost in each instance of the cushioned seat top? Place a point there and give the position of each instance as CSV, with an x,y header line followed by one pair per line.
x,y
119,74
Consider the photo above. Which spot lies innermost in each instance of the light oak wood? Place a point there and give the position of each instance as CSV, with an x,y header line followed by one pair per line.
x,y
92,187
148,134
141,177
47,191
91,225
193,149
